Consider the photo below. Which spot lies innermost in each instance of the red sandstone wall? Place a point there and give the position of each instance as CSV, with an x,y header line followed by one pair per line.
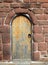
x,y
40,27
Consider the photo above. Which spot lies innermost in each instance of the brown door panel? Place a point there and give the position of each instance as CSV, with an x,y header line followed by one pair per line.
x,y
21,36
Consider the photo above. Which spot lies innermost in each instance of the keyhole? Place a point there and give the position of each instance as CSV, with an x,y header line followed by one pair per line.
x,y
29,35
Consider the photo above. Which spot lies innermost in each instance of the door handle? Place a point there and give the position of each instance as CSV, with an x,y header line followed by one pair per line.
x,y
29,35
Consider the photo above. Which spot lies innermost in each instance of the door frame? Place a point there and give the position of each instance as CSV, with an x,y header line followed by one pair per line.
x,y
28,17
12,14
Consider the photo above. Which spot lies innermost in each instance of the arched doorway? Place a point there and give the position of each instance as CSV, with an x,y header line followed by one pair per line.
x,y
21,37
9,19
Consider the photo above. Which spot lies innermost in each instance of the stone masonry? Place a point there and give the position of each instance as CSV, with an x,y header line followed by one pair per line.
x,y
39,9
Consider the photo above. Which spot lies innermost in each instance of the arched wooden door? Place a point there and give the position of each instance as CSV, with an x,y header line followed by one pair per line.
x,y
21,38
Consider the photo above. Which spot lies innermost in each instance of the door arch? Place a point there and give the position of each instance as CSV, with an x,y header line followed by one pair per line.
x,y
21,37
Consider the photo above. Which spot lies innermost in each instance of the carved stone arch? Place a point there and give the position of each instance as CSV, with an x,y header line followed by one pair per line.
x,y
13,12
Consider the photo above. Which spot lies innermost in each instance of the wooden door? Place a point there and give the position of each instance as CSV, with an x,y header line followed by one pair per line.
x,y
21,38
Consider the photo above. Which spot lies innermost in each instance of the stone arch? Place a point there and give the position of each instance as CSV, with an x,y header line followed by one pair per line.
x,y
17,11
